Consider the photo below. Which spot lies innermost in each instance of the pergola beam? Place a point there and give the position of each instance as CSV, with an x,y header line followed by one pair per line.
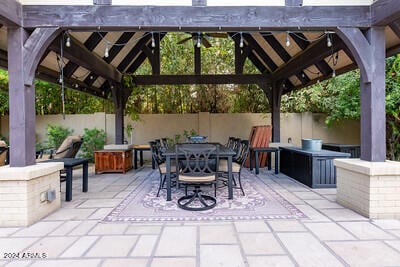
x,y
314,53
201,79
384,12
186,18
10,13
82,56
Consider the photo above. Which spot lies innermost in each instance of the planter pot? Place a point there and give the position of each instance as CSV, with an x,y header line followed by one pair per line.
x,y
311,144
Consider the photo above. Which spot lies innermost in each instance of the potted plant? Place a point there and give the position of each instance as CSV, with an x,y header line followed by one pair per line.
x,y
129,130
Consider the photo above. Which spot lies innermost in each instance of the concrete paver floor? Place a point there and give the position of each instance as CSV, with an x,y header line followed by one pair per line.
x,y
75,236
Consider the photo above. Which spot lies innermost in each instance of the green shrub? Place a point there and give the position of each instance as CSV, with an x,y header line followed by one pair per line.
x,y
93,139
56,135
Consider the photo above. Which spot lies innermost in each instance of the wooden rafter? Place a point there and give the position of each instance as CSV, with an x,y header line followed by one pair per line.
x,y
301,40
284,55
79,54
141,57
90,44
314,53
260,52
135,51
52,76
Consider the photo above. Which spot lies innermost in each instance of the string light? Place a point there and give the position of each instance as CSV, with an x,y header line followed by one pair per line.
x,y
287,39
198,44
68,41
241,40
328,40
153,42
106,51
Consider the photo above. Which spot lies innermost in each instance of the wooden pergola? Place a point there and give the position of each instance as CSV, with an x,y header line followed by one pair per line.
x,y
32,38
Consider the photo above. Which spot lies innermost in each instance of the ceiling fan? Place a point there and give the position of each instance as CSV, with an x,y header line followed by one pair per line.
x,y
203,38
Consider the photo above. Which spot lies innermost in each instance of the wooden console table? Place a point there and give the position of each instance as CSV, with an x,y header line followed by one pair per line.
x,y
113,160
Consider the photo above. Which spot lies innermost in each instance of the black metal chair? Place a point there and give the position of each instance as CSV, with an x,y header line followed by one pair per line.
x,y
237,165
198,167
68,148
160,163
230,142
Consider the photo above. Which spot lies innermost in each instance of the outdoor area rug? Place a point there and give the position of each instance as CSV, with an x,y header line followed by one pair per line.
x,y
260,202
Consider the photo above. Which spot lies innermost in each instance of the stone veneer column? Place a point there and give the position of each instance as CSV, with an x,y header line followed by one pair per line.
x,y
22,191
369,188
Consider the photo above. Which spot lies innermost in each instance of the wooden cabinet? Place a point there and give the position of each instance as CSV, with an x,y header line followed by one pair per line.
x,y
119,160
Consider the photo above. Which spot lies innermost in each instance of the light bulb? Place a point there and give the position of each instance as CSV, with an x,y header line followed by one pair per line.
x,y
153,42
241,40
68,42
287,40
106,54
60,79
198,44
333,74
328,41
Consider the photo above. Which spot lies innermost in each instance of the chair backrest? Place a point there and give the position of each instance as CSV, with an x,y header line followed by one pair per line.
x,y
243,152
69,147
156,152
199,160
236,147
231,142
164,143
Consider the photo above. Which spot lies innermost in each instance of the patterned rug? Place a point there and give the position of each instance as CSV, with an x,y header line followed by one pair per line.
x,y
260,202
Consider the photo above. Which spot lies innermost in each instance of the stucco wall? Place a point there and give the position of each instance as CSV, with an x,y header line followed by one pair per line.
x,y
216,126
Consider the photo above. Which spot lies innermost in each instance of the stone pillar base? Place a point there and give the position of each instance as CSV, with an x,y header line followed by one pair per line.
x,y
369,188
23,193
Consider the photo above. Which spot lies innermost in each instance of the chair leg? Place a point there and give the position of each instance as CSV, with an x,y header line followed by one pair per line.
x,y
240,184
162,181
185,201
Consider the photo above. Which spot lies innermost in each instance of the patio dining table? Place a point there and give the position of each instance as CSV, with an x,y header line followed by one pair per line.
x,y
224,152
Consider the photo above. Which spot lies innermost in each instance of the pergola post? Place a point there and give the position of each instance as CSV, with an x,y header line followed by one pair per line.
x,y
275,103
369,52
120,97
22,103
273,92
25,52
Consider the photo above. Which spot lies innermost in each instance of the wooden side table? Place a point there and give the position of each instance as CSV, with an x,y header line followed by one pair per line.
x,y
113,160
